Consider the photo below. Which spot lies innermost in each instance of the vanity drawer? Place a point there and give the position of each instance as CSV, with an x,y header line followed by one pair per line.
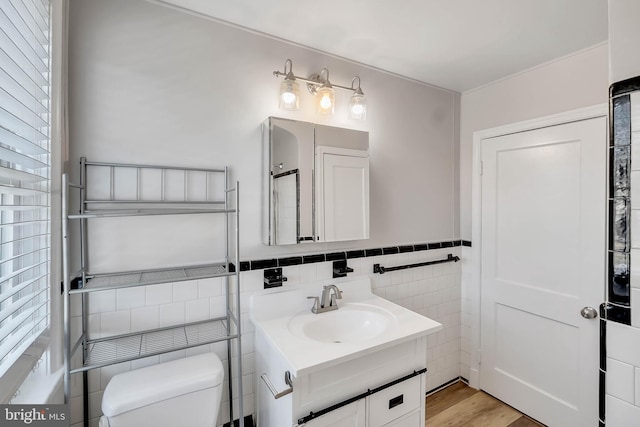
x,y
414,419
394,402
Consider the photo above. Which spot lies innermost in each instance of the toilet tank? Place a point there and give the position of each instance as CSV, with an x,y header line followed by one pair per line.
x,y
183,392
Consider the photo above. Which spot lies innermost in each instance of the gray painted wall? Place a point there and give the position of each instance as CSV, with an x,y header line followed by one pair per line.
x,y
576,81
624,33
152,84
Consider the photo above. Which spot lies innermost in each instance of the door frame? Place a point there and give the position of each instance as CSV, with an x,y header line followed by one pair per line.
x,y
474,287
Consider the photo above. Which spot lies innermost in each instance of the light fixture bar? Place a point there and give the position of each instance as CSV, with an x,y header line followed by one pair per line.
x,y
320,86
313,82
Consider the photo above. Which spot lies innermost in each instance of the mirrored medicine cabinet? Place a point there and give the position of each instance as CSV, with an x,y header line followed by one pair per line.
x,y
315,183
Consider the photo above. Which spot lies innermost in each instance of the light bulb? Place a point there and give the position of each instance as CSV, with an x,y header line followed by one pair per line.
x,y
326,102
289,98
289,90
358,106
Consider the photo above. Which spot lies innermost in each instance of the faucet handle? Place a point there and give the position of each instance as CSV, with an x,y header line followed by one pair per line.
x,y
316,304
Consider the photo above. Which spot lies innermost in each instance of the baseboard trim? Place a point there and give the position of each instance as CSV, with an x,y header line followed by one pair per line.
x,y
445,385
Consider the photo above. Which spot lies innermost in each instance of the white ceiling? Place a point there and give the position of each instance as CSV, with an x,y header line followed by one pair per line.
x,y
455,44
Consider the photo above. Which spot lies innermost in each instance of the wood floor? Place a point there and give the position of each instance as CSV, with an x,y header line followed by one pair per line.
x,y
459,405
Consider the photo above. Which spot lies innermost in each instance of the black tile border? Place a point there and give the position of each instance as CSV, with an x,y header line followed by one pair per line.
x,y
340,255
616,313
248,422
294,260
602,374
618,282
355,254
624,86
336,256
373,252
264,263
309,259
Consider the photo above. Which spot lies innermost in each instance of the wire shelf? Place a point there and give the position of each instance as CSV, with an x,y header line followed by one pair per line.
x,y
111,190
115,213
124,348
130,279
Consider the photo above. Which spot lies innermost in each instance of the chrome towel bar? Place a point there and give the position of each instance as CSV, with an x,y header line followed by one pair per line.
x,y
272,389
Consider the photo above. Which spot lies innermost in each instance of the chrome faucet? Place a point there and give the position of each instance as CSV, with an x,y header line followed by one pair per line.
x,y
327,301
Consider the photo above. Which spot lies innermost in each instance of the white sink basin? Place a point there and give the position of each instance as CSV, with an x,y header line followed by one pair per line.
x,y
363,324
352,322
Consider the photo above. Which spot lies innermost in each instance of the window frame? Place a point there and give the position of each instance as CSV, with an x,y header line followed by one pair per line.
x,y
36,377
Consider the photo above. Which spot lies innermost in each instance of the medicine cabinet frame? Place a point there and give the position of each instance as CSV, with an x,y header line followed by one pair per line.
x,y
293,195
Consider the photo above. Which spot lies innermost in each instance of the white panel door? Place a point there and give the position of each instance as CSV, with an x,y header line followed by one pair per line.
x,y
543,260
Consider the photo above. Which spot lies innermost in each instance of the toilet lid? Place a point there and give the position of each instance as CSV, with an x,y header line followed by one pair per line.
x,y
145,386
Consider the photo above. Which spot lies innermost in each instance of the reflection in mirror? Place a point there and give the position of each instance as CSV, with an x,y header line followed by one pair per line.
x,y
342,185
288,152
304,204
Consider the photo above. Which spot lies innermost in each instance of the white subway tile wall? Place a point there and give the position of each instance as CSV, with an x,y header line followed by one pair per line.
x,y
623,342
623,374
465,313
620,380
433,291
635,314
620,413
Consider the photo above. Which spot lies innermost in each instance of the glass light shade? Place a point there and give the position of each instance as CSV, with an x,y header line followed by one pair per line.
x,y
289,94
358,106
326,100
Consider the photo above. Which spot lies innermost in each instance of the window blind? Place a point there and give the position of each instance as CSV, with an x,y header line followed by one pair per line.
x,y
24,175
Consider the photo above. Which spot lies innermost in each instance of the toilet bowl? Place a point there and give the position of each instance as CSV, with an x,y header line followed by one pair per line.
x,y
184,392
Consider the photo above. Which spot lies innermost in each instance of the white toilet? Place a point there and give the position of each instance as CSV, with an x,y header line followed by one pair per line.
x,y
184,392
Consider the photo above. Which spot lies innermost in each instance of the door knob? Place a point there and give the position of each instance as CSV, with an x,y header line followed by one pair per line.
x,y
589,312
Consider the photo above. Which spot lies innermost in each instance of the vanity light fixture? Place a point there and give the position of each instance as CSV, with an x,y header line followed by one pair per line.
x,y
289,89
320,86
357,103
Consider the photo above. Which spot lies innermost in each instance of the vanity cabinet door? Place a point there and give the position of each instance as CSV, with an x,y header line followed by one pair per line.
x,y
351,415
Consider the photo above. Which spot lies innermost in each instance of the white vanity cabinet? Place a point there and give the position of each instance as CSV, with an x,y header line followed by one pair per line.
x,y
365,413
362,365
400,405
388,403
351,415
395,404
